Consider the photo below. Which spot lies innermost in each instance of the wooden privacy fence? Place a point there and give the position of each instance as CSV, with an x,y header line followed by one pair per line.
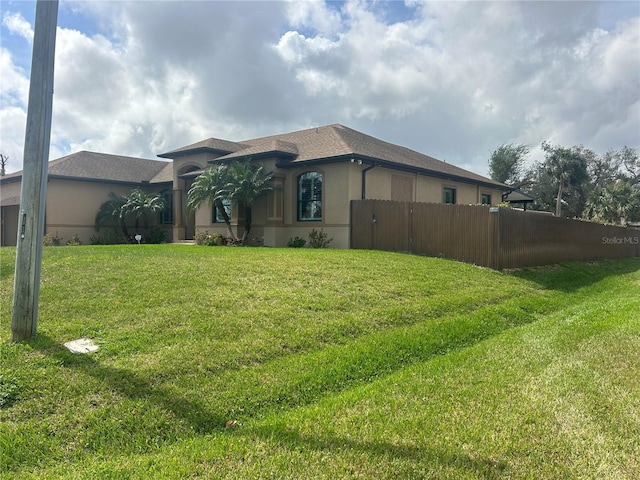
x,y
488,236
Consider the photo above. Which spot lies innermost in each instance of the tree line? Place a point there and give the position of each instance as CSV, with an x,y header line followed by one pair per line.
x,y
574,182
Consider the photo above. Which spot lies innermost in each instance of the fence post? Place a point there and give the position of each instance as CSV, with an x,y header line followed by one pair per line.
x,y
494,238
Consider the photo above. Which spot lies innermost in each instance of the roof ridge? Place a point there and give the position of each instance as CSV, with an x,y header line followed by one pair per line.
x,y
335,128
91,152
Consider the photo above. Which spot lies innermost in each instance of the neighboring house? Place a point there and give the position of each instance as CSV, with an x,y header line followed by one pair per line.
x,y
517,197
77,185
316,174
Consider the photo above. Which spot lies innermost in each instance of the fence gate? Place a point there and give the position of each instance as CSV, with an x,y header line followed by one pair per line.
x,y
381,225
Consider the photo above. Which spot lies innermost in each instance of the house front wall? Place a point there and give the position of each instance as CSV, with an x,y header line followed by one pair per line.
x,y
386,184
342,182
274,216
71,207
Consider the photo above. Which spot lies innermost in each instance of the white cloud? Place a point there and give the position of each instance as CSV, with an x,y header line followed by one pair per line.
x,y
17,25
13,121
314,15
474,75
450,79
14,87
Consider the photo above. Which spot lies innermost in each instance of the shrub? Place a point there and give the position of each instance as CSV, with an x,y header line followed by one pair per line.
x,y
319,239
50,240
296,242
75,240
156,235
210,239
109,236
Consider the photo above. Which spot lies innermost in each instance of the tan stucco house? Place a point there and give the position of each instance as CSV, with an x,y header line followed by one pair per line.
x,y
77,185
316,174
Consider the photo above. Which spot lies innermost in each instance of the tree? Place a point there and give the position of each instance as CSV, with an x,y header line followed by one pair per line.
x,y
112,210
630,165
540,185
3,164
136,204
615,197
603,188
210,187
506,164
245,183
240,181
604,169
139,204
614,203
568,167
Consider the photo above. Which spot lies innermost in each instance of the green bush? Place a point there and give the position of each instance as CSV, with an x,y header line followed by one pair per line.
x,y
319,239
75,240
51,240
210,239
156,235
109,236
296,242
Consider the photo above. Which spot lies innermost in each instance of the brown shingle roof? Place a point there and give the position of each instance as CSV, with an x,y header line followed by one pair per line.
x,y
165,175
337,142
114,168
215,145
273,146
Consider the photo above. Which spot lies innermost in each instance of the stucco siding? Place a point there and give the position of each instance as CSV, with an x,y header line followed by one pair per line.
x,y
339,183
336,193
428,189
378,184
10,194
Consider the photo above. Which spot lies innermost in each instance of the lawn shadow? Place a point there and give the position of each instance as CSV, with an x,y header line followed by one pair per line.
x,y
134,386
417,456
571,276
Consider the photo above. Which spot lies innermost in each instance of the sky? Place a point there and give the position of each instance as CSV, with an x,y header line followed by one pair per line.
x,y
450,79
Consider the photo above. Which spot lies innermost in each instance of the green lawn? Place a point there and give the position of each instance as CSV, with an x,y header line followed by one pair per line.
x,y
222,362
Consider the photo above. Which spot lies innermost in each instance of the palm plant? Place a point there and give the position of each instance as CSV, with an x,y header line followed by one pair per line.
x,y
209,187
139,204
112,211
245,183
239,181
614,203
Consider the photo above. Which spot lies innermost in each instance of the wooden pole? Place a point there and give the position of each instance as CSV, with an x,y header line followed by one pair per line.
x,y
33,192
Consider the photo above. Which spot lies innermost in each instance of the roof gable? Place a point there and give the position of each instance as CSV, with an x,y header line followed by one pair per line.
x,y
270,146
212,145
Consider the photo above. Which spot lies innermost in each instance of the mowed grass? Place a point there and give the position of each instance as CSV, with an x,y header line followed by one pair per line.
x,y
220,362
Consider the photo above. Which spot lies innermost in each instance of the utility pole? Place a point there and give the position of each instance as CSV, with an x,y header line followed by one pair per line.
x,y
33,194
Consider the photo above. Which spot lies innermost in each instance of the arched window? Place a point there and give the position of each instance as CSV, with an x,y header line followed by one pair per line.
x,y
166,215
310,197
